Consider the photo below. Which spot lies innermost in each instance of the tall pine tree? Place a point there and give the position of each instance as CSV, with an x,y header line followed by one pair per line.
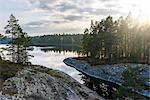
x,y
19,42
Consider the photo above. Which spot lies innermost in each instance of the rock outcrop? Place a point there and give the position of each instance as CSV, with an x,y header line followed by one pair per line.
x,y
40,83
109,73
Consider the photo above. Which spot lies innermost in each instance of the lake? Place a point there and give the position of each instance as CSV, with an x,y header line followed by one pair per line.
x,y
51,58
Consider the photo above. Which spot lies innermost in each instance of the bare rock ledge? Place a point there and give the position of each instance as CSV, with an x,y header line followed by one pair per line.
x,y
40,83
109,73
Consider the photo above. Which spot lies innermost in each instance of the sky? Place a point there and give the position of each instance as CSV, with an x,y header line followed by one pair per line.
x,y
39,17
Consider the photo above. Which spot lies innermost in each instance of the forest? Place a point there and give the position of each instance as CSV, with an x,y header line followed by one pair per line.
x,y
57,40
75,50
121,40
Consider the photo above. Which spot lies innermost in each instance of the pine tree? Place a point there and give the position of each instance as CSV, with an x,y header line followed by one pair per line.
x,y
120,40
19,41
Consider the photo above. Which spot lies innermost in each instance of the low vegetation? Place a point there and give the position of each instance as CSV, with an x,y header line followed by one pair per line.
x,y
54,74
8,69
132,82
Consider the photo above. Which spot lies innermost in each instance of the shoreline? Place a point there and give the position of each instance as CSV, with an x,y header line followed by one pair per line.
x,y
41,83
98,72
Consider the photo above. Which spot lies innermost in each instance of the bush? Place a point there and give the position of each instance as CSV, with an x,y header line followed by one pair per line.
x,y
132,82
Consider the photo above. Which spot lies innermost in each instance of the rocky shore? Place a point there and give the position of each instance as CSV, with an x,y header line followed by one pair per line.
x,y
109,73
40,83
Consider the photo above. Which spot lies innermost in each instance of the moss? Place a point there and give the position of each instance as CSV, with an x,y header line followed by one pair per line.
x,y
9,92
8,69
55,74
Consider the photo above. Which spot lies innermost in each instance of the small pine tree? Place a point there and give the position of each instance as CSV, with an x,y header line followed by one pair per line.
x,y
132,82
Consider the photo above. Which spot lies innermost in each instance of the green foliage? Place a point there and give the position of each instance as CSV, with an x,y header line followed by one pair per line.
x,y
57,40
132,77
19,42
132,82
117,40
55,74
8,69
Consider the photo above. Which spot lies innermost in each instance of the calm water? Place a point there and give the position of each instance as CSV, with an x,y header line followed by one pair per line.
x,y
54,59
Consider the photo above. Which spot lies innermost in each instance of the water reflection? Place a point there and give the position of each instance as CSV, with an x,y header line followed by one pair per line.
x,y
60,49
104,89
51,58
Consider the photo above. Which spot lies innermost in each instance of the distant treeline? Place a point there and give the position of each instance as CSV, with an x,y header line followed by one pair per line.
x,y
57,40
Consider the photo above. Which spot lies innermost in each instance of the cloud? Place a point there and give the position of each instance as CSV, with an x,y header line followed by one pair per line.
x,y
53,27
73,17
42,23
79,6
34,24
65,6
104,11
59,15
58,22
65,13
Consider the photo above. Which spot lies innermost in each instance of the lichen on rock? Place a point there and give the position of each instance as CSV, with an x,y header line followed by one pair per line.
x,y
31,84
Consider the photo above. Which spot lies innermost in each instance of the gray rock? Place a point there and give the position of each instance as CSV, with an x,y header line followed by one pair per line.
x,y
110,73
30,84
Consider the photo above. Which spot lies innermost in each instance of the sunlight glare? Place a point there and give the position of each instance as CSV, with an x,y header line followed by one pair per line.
x,y
141,9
